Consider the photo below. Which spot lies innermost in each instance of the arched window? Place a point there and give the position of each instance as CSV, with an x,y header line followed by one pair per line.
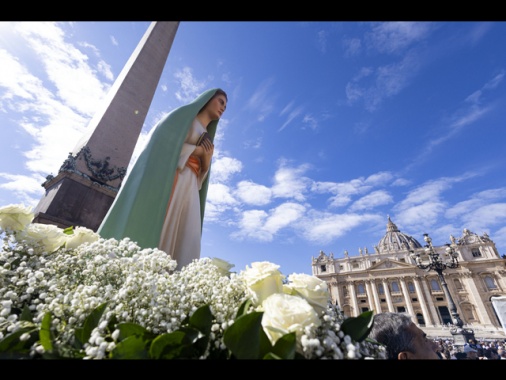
x,y
381,289
489,281
457,283
360,289
468,313
434,284
395,286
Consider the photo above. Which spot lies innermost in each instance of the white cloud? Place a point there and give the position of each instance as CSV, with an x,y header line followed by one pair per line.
x,y
352,46
290,183
263,226
220,194
251,226
253,194
485,216
262,100
56,104
477,200
369,201
499,237
323,228
190,87
393,37
283,215
223,168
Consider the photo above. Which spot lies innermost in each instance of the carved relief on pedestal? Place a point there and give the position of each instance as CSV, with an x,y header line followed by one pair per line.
x,y
101,171
100,168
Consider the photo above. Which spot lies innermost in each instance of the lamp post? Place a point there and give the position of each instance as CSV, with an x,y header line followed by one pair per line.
x,y
436,263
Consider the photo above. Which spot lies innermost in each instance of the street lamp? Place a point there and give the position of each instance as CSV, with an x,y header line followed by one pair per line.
x,y
436,263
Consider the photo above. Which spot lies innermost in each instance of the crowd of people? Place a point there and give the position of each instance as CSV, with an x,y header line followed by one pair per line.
x,y
404,340
472,350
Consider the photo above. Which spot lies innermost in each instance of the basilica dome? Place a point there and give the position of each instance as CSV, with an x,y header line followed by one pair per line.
x,y
395,240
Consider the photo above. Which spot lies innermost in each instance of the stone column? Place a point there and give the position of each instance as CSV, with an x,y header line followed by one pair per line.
x,y
89,179
423,304
388,296
432,308
475,299
353,296
376,296
336,294
370,297
407,299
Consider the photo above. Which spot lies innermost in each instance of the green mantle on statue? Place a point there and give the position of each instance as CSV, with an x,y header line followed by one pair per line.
x,y
138,211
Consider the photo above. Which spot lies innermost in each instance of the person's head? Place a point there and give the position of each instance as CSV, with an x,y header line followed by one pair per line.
x,y
216,105
470,352
401,337
460,355
491,354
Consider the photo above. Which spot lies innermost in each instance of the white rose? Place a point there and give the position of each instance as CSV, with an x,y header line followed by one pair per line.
x,y
81,235
15,217
222,265
313,289
284,313
49,236
262,279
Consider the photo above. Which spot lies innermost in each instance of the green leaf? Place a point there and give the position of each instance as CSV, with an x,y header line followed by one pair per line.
x,y
265,343
246,328
271,356
358,328
133,347
45,333
286,346
128,329
180,344
69,230
243,308
82,334
199,341
113,321
11,347
202,319
167,346
26,314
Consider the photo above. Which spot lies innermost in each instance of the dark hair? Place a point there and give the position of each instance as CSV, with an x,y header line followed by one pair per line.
x,y
491,353
460,355
392,330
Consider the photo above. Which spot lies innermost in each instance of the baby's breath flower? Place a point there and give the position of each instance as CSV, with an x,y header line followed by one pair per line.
x,y
141,286
24,337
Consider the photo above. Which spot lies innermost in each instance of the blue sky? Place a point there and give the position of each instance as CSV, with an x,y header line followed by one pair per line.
x,y
330,128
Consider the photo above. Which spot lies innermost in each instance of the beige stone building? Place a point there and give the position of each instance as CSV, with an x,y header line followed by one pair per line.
x,y
388,279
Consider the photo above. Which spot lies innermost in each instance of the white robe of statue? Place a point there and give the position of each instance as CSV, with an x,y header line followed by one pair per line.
x,y
181,233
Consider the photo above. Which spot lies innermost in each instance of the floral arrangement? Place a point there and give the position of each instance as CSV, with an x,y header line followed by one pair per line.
x,y
68,293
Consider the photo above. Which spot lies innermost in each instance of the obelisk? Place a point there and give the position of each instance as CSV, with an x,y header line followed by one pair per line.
x,y
89,179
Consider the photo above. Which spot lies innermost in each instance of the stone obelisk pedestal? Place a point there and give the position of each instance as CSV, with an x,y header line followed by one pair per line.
x,y
89,179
